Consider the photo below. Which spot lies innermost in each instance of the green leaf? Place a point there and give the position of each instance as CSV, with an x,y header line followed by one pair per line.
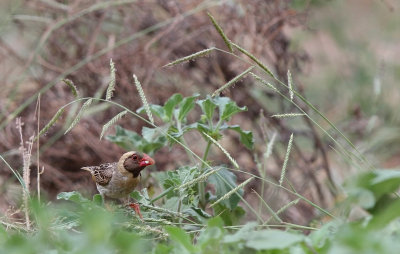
x,y
212,233
130,140
153,135
224,181
173,131
383,176
356,238
215,222
126,139
380,182
98,199
73,196
272,239
181,237
363,197
197,213
210,238
246,137
208,107
200,127
3,235
178,177
136,195
128,242
241,234
172,204
230,217
186,106
385,216
170,105
320,238
156,110
227,108
163,249
151,148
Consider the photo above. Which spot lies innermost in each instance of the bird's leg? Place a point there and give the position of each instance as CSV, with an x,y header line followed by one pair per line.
x,y
102,198
136,207
107,205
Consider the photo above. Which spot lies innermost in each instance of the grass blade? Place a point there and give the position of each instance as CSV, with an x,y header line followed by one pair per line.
x,y
270,145
50,123
190,57
201,178
264,82
283,172
72,86
274,215
143,98
112,122
289,78
231,82
288,115
228,194
221,32
79,115
111,85
260,64
223,150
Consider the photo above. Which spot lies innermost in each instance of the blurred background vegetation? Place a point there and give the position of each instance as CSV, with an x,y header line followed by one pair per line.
x,y
344,57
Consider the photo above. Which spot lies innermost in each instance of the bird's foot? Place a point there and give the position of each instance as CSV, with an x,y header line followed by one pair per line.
x,y
136,207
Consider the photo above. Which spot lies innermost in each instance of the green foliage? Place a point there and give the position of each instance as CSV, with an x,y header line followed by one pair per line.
x,y
174,118
85,226
185,201
246,137
78,227
216,239
375,191
213,121
230,217
224,182
271,239
150,141
73,196
181,239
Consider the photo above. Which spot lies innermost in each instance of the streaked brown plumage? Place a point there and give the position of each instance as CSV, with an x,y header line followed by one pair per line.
x,y
118,179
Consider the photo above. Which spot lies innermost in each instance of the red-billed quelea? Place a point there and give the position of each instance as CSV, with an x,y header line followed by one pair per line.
x,y
119,179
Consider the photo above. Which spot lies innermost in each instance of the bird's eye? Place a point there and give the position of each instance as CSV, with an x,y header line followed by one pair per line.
x,y
134,157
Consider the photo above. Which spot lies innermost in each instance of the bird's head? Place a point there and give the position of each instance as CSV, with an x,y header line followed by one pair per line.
x,y
134,162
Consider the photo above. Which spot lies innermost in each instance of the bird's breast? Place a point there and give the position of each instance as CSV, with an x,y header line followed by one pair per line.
x,y
119,186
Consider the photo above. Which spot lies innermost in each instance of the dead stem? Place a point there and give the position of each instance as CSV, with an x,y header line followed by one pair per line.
x,y
26,153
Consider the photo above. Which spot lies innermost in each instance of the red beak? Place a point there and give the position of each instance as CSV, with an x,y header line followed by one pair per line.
x,y
146,161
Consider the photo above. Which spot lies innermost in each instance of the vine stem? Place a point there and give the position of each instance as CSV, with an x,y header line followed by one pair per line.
x,y
182,139
202,185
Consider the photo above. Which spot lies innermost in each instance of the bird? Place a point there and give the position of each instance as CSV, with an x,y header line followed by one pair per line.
x,y
118,179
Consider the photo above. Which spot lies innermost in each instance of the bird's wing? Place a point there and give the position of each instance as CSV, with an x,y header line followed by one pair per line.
x,y
102,174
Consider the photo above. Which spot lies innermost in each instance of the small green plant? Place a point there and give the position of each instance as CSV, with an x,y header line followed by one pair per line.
x,y
184,189
211,124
